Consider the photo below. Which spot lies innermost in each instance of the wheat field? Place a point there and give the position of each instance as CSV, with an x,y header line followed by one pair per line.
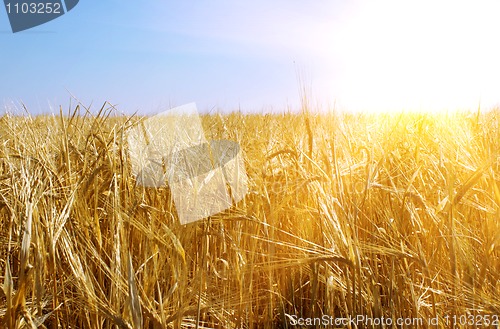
x,y
393,216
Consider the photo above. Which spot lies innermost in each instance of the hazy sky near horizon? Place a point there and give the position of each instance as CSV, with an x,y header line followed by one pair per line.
x,y
222,54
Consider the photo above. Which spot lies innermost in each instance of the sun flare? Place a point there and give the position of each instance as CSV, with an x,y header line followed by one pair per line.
x,y
424,56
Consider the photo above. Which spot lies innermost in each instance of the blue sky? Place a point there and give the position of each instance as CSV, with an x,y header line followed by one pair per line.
x,y
355,55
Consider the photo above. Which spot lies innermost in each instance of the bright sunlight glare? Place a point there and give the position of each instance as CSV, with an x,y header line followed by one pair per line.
x,y
418,56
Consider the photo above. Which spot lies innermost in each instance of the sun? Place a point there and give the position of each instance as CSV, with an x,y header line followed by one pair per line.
x,y
424,56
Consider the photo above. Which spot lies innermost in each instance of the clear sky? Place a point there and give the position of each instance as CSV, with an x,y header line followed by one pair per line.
x,y
147,56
